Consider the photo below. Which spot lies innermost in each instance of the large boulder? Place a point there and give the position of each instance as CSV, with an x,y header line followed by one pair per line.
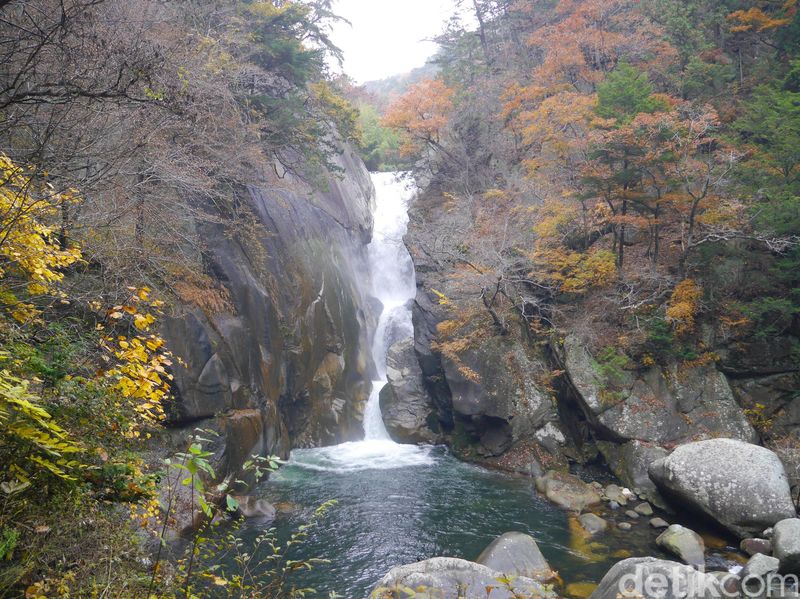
x,y
499,402
567,491
651,578
683,543
452,578
517,554
741,486
406,407
786,545
640,413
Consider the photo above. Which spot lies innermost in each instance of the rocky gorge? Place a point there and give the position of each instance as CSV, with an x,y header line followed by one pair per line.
x,y
675,446
681,435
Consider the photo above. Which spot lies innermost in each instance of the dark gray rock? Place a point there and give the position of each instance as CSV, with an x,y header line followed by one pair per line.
x,y
451,578
743,487
753,546
637,415
517,554
659,407
786,545
506,403
683,543
651,578
406,407
280,327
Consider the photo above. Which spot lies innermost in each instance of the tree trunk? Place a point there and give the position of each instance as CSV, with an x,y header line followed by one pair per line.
x,y
481,31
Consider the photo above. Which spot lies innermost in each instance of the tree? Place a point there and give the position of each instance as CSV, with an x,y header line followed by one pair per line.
x,y
421,116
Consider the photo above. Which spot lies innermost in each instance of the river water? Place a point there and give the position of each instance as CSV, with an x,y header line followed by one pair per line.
x,y
398,504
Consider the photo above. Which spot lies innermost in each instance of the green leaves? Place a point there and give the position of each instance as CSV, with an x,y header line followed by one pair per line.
x,y
625,93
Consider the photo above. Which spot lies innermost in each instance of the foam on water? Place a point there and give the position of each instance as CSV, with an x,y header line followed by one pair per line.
x,y
377,454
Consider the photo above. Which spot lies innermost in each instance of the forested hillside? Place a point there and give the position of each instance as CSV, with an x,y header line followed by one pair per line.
x,y
617,183
159,162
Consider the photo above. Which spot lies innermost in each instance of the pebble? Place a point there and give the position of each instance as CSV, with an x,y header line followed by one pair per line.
x,y
659,523
632,514
613,505
644,509
624,525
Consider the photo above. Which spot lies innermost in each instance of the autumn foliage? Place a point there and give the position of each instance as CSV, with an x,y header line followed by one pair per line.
x,y
421,115
593,155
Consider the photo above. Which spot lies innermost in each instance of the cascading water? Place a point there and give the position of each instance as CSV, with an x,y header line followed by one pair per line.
x,y
392,283
392,276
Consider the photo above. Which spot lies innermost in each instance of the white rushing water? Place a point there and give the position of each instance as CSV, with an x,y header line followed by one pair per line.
x,y
393,283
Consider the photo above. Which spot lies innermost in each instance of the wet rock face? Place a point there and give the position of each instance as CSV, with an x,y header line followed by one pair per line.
x,y
743,487
289,358
407,409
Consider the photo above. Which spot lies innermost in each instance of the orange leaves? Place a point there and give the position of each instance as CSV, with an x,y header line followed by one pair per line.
x,y
591,37
763,19
684,304
558,121
420,114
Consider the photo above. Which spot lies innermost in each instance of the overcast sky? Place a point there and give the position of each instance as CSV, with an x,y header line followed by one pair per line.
x,y
386,37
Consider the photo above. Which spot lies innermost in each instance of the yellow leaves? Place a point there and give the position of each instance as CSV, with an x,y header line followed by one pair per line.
x,y
143,321
684,305
24,422
576,272
443,299
29,247
140,374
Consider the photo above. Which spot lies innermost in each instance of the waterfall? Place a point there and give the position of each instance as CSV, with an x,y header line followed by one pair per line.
x,y
392,280
392,275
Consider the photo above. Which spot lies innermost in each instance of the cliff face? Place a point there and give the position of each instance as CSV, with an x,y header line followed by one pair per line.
x,y
508,409
287,364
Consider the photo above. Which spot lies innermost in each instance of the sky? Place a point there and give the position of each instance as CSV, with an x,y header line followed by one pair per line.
x,y
386,37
